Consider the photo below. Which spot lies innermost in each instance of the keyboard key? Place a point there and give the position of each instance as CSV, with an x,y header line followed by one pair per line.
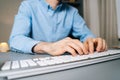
x,y
23,64
42,63
15,65
30,62
36,59
6,66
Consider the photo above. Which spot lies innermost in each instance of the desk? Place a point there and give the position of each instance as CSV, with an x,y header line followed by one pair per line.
x,y
103,71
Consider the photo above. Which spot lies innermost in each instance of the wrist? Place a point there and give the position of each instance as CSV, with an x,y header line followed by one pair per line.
x,y
33,48
41,47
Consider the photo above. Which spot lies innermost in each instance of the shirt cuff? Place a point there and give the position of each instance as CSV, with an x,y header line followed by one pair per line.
x,y
29,46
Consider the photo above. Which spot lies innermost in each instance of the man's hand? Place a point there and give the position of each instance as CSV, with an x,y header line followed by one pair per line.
x,y
95,44
72,46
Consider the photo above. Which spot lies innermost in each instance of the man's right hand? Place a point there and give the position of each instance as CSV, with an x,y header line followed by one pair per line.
x,y
73,46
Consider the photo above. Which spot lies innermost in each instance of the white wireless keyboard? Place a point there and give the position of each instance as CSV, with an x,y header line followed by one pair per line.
x,y
30,67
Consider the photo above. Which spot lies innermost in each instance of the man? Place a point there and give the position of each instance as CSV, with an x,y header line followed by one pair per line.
x,y
44,26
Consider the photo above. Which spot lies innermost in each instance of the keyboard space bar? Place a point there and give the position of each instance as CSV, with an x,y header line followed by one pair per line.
x,y
43,70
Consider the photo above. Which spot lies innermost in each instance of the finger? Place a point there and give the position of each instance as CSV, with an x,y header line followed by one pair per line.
x,y
76,47
81,46
86,46
90,45
70,50
99,42
104,46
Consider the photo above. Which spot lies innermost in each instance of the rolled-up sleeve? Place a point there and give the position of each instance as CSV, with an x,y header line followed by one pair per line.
x,y
20,39
80,29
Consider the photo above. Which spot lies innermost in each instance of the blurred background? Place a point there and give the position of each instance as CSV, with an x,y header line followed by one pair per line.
x,y
8,9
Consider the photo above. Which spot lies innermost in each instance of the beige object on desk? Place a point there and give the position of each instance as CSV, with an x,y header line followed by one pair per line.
x,y
4,47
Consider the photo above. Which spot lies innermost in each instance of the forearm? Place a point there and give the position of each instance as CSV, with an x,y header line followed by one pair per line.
x,y
22,43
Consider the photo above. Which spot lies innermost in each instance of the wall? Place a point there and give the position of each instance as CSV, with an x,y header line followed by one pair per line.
x,y
8,9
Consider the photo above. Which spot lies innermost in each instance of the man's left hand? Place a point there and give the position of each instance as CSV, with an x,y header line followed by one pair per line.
x,y
95,44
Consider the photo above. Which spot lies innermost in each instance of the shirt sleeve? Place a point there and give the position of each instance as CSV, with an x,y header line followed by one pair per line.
x,y
80,29
20,38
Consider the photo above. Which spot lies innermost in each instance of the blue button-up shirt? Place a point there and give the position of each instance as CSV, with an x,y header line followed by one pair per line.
x,y
37,21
